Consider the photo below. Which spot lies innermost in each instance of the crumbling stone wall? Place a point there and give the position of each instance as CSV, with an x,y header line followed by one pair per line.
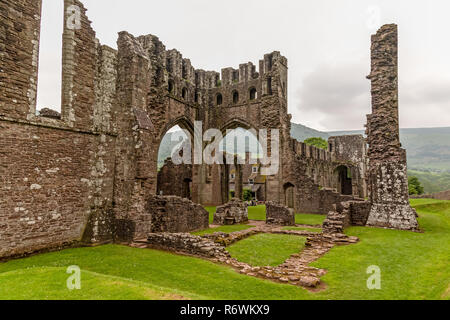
x,y
345,214
233,212
279,214
171,214
388,181
187,244
56,171
89,173
312,172
175,180
19,55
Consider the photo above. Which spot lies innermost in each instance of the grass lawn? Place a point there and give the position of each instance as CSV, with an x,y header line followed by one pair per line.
x,y
413,266
309,219
257,213
266,249
211,211
225,229
318,230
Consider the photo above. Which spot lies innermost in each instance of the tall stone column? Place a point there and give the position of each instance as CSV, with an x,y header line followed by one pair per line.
x,y
238,183
388,180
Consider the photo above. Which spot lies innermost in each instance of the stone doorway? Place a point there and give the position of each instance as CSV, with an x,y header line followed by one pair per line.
x,y
344,180
289,195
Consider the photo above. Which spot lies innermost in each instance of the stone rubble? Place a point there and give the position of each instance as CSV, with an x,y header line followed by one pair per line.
x,y
233,212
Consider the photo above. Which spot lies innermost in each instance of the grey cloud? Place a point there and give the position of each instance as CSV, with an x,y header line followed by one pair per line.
x,y
338,94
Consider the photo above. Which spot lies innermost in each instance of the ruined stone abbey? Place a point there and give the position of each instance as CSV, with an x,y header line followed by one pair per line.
x,y
89,174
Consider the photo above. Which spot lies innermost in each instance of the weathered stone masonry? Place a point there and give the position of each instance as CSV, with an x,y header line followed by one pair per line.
x,y
388,181
56,176
90,173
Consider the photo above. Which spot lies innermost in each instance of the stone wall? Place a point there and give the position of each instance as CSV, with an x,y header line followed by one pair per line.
x,y
345,214
233,212
175,180
171,214
187,244
90,174
359,213
52,180
388,181
279,214
57,171
19,55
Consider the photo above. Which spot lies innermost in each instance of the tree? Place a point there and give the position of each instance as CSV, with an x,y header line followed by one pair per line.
x,y
414,186
247,195
317,142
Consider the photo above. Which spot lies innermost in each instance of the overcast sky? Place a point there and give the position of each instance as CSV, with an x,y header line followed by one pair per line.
x,y
327,43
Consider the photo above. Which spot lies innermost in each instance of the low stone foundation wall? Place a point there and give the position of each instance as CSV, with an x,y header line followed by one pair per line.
x,y
176,215
233,212
346,214
359,212
188,244
279,214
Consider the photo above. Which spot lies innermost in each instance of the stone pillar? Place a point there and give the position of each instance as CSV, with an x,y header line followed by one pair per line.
x,y
238,184
388,181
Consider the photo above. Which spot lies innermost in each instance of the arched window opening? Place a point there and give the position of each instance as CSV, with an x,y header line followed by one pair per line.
x,y
242,150
169,65
219,99
270,64
171,86
197,97
235,76
235,97
253,94
269,86
184,93
174,178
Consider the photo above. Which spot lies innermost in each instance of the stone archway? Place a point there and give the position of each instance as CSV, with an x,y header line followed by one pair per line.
x,y
237,158
173,178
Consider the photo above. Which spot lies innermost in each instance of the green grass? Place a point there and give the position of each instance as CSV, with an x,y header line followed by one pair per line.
x,y
225,229
49,283
413,266
257,213
266,249
318,230
211,211
309,219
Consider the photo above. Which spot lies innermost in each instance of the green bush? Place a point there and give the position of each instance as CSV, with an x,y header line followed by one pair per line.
x,y
317,142
414,186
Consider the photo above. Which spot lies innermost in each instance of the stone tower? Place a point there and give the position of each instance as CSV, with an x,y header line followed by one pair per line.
x,y
388,181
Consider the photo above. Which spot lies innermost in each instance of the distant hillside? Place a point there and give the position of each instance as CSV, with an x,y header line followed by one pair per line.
x,y
427,148
428,151
301,132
